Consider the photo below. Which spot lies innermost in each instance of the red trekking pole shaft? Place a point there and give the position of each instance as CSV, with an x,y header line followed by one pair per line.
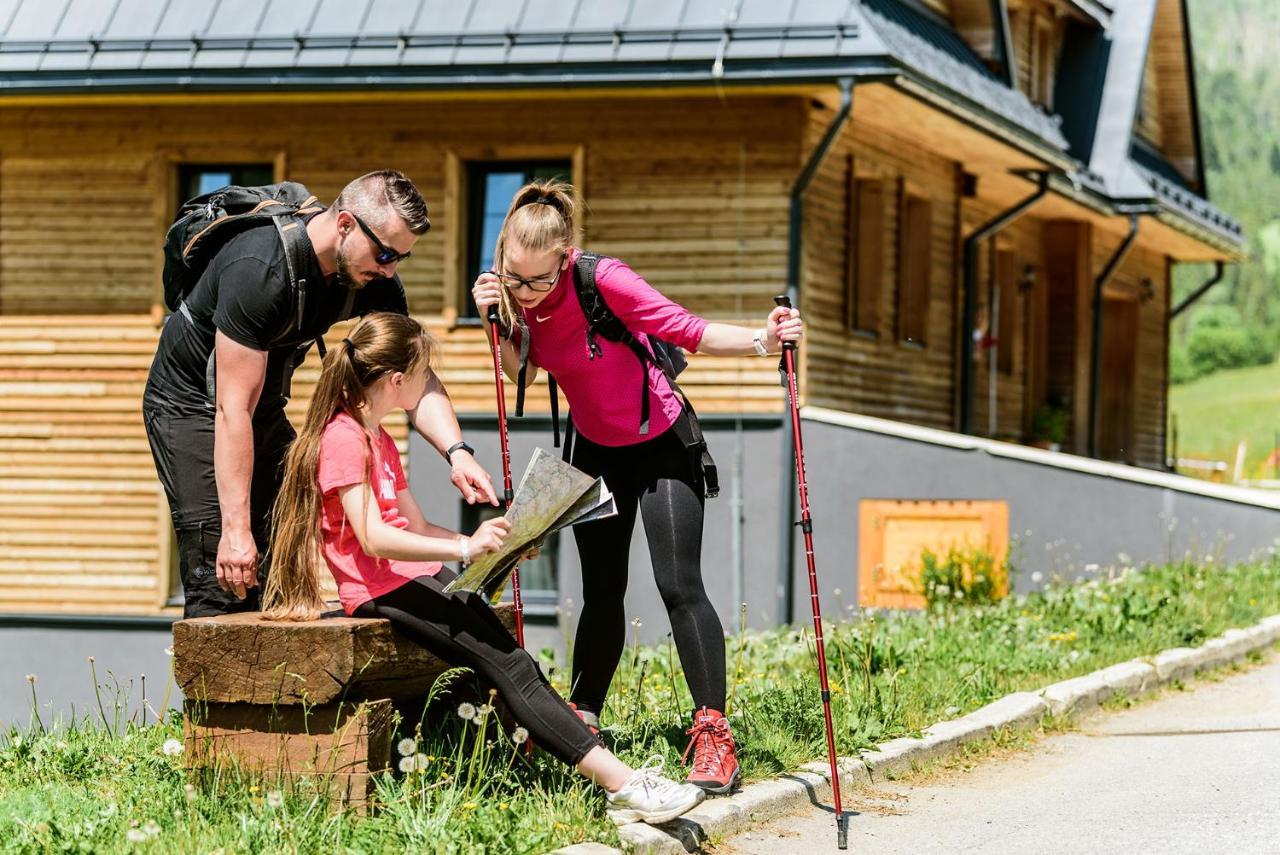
x,y
806,526
507,493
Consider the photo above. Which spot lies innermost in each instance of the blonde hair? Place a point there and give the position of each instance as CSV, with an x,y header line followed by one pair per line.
x,y
381,344
540,219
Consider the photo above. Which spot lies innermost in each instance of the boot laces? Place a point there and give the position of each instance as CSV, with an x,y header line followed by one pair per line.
x,y
708,741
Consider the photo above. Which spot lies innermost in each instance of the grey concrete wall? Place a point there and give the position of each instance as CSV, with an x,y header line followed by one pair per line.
x,y
57,652
1060,521
749,472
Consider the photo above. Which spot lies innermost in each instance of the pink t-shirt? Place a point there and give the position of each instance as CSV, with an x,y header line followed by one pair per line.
x,y
344,460
604,392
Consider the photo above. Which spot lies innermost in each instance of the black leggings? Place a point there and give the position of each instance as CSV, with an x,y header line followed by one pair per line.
x,y
462,629
659,477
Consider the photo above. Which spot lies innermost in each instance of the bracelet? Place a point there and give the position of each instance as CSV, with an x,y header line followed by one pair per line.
x,y
464,547
757,341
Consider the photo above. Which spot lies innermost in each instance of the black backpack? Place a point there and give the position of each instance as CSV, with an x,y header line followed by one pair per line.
x,y
670,358
206,223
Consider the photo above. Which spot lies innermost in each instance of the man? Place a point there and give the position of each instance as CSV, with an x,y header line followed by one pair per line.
x,y
219,453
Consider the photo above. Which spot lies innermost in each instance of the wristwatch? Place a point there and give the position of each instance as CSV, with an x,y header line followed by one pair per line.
x,y
448,455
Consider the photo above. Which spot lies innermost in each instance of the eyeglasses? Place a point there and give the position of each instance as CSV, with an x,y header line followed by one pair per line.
x,y
539,286
384,253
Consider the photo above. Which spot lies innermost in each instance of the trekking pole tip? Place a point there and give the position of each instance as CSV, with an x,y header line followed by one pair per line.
x,y
842,831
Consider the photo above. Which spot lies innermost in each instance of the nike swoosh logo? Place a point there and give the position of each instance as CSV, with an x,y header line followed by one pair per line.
x,y
541,320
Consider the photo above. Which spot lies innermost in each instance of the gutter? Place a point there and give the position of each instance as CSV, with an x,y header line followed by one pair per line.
x,y
1095,348
970,286
795,243
1219,269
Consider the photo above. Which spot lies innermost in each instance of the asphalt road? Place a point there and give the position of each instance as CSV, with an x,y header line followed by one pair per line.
x,y
1193,772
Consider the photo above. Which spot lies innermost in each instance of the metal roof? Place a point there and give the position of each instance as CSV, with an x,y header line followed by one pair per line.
x,y
79,46
132,45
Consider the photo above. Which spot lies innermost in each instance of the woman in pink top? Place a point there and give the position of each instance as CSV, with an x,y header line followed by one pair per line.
x,y
634,442
344,504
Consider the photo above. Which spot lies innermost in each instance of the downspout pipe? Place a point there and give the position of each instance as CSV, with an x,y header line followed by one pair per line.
x,y
1095,348
970,268
795,244
1219,268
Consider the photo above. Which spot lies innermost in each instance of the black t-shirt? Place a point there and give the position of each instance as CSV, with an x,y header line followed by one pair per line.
x,y
245,292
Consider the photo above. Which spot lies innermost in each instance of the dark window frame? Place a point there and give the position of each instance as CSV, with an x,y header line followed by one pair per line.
x,y
474,175
242,173
865,273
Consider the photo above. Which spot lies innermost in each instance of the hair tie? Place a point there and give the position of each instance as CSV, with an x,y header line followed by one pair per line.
x,y
348,343
546,200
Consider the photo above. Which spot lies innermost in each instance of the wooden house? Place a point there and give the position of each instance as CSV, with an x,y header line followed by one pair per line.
x,y
977,206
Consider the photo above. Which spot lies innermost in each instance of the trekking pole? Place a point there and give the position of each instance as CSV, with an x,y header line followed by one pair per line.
x,y
507,493
806,525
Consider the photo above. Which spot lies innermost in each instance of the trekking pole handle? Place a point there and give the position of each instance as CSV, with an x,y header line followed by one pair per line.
x,y
785,302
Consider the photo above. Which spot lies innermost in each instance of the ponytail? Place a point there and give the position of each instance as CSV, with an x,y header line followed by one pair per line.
x,y
540,219
381,344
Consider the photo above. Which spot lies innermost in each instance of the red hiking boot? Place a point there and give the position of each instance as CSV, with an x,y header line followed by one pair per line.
x,y
591,720
715,758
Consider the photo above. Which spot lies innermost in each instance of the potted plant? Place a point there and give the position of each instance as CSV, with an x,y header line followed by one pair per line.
x,y
1049,425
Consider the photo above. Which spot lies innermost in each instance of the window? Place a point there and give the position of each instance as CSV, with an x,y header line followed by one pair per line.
x,y
539,577
490,187
866,262
915,227
196,179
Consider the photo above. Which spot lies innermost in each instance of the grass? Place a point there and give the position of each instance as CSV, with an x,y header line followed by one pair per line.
x,y
1214,413
102,786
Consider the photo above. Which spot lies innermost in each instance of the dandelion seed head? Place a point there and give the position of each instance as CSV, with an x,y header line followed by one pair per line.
x,y
519,736
275,799
151,829
420,762
466,711
136,835
172,747
406,746
407,764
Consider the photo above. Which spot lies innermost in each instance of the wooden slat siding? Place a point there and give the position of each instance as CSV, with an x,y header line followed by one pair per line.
x,y
79,499
662,175
1149,121
854,373
66,228
1168,53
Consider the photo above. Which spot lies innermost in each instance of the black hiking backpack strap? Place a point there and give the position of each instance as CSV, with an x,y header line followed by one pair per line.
x,y
205,225
601,321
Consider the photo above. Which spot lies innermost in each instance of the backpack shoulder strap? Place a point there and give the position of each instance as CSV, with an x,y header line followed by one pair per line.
x,y
603,322
291,232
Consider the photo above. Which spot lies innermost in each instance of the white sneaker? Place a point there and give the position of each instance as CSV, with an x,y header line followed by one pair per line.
x,y
651,797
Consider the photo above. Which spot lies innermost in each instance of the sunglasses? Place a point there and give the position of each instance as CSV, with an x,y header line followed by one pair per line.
x,y
538,286
383,253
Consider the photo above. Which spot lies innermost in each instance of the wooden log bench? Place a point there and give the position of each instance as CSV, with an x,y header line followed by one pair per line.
x,y
299,700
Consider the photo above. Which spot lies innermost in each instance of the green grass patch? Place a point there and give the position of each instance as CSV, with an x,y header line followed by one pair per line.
x,y
1214,413
95,786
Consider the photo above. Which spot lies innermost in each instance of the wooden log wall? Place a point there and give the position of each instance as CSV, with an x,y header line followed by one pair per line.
x,y
878,375
693,194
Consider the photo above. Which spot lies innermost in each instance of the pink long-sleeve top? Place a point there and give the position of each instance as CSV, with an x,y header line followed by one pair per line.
x,y
604,392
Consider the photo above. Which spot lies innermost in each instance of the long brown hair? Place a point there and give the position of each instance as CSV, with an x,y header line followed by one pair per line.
x,y
379,345
540,219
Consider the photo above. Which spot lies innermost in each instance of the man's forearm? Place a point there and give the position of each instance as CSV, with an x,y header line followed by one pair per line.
x,y
435,419
233,466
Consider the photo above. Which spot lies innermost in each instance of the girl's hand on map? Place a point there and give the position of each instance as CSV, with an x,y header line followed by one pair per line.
x,y
490,536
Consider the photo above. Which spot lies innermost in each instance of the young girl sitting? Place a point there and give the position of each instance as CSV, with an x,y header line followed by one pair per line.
x,y
345,503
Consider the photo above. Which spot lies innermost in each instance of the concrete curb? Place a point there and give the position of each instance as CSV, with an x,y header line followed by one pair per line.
x,y
766,800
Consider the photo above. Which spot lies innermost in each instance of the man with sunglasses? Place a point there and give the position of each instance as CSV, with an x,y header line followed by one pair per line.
x,y
214,405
